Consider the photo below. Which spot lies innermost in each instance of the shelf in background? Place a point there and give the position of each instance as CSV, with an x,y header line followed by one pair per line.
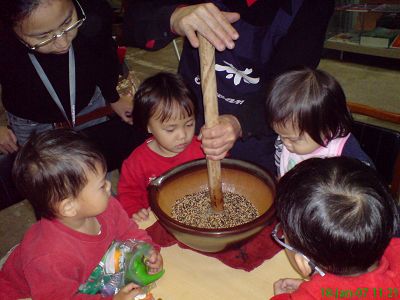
x,y
356,48
368,28
367,7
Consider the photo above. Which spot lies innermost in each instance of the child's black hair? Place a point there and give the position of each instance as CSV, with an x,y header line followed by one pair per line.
x,y
310,100
337,212
52,166
162,94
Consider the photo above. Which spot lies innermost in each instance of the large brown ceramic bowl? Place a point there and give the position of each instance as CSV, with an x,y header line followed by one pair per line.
x,y
237,176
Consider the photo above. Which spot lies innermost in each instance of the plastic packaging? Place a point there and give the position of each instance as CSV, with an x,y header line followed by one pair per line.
x,y
123,263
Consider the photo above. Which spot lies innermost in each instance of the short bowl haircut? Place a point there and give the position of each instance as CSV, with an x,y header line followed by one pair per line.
x,y
161,94
52,166
337,212
311,100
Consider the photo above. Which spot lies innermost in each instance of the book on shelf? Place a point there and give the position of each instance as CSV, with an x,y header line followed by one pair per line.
x,y
346,37
396,42
360,7
380,37
390,8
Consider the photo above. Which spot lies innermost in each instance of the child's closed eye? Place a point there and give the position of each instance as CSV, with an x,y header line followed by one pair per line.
x,y
295,139
104,184
292,139
169,128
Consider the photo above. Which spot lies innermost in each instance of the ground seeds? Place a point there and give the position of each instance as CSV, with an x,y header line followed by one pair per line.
x,y
195,210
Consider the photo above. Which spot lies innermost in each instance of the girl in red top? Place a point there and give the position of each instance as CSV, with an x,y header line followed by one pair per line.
x,y
164,107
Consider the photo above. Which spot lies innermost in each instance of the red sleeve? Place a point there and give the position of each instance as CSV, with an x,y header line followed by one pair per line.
x,y
392,254
8,289
51,274
132,193
126,227
62,279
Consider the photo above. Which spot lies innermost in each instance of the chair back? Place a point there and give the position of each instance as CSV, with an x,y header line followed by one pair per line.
x,y
381,144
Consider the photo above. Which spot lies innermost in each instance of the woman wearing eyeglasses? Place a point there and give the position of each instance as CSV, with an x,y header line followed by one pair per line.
x,y
58,61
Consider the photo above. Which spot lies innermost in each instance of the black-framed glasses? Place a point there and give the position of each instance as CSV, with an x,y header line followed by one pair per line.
x,y
61,32
278,236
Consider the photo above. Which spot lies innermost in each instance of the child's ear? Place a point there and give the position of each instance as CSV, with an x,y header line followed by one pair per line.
x,y
148,129
67,208
302,264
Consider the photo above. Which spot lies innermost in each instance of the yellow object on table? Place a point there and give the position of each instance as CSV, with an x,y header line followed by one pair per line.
x,y
192,276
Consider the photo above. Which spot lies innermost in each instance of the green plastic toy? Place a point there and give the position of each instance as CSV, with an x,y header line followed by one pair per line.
x,y
136,270
123,263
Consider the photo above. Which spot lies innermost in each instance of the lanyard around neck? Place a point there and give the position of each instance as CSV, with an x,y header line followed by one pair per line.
x,y
49,86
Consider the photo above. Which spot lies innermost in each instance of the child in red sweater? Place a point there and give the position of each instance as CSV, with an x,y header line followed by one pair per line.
x,y
164,107
63,176
337,222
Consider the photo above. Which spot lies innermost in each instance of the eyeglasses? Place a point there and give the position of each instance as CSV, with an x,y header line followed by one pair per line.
x,y
280,240
55,36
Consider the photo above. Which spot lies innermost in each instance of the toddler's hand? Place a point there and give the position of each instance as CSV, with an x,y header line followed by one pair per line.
x,y
128,292
287,285
154,261
141,215
123,108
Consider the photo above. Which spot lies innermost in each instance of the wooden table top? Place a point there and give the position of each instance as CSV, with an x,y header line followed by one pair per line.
x,y
192,276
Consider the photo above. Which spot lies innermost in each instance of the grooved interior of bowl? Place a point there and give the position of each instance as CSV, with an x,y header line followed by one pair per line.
x,y
237,177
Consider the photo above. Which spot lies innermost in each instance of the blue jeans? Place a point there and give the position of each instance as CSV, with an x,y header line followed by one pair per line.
x,y
23,129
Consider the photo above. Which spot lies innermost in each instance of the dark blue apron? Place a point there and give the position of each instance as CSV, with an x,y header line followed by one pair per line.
x,y
241,78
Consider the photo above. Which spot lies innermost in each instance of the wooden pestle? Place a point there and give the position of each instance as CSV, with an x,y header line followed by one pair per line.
x,y
210,102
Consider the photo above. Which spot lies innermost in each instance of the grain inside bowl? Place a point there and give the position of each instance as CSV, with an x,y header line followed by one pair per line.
x,y
195,210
